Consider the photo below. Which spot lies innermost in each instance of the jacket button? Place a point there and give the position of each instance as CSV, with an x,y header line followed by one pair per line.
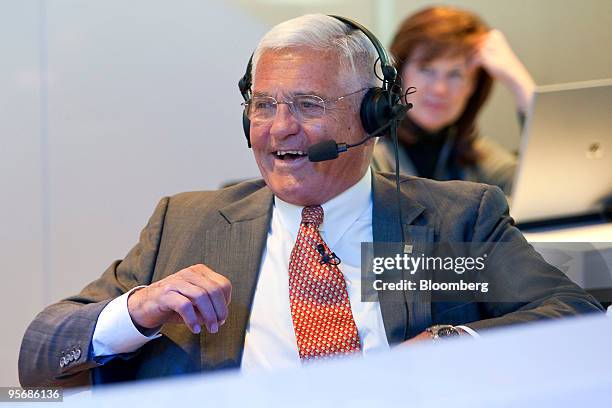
x,y
62,362
77,353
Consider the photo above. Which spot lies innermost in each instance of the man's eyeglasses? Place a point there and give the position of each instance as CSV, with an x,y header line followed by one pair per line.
x,y
262,109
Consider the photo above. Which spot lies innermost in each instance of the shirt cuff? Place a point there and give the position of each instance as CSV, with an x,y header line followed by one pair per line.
x,y
470,331
115,332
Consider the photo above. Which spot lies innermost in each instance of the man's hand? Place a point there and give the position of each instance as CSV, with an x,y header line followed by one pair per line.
x,y
196,295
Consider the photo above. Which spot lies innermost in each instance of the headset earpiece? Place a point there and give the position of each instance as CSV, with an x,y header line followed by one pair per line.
x,y
375,109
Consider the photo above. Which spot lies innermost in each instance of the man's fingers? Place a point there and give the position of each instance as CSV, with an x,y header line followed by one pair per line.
x,y
217,298
207,313
225,285
200,275
184,308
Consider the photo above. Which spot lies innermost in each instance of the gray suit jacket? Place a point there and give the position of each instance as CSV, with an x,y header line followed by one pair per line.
x,y
226,230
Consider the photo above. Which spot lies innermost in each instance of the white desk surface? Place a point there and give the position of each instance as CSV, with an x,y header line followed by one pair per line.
x,y
565,363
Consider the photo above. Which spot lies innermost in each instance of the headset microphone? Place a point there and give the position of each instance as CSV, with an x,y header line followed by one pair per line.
x,y
329,149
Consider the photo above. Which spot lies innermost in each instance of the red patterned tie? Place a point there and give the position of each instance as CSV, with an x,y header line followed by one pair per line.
x,y
320,307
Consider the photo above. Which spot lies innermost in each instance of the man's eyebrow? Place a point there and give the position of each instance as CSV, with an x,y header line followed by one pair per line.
x,y
308,92
293,93
259,93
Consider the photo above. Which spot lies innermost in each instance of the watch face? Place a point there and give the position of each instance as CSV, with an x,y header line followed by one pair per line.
x,y
447,331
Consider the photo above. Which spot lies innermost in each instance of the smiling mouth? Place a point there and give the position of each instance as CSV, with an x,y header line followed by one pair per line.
x,y
290,155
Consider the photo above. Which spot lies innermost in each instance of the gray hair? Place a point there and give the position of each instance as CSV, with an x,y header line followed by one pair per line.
x,y
357,55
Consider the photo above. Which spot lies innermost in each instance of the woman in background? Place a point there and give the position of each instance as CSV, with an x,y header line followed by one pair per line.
x,y
451,57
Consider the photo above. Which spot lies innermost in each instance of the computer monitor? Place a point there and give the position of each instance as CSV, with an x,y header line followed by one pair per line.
x,y
565,157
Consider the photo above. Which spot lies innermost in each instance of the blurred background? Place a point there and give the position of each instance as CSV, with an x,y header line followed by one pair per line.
x,y
106,106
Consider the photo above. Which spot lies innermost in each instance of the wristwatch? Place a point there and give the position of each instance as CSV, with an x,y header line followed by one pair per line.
x,y
441,331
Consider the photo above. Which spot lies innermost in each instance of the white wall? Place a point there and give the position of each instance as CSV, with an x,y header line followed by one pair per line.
x,y
108,105
137,100
21,227
143,103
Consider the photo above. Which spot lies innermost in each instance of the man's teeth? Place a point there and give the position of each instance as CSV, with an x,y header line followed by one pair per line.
x,y
294,152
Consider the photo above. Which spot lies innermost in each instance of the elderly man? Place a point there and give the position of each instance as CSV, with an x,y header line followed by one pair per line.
x,y
233,278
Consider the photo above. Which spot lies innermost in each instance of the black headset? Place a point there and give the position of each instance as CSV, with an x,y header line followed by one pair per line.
x,y
377,105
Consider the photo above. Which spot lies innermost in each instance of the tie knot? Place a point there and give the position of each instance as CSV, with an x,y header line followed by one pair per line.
x,y
312,214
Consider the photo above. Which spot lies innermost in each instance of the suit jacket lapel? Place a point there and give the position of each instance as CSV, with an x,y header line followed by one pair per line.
x,y
235,250
403,314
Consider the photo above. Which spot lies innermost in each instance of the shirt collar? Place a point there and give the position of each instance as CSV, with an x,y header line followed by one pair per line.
x,y
339,213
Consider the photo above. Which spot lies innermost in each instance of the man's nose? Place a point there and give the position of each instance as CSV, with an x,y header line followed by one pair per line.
x,y
284,122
